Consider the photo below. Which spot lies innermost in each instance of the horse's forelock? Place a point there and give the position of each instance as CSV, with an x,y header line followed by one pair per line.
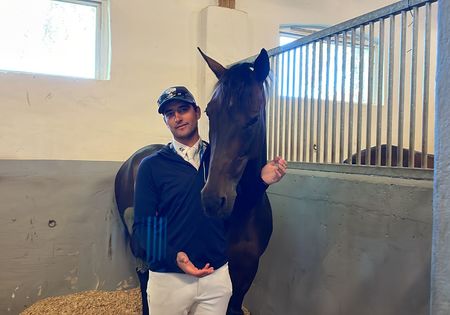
x,y
237,78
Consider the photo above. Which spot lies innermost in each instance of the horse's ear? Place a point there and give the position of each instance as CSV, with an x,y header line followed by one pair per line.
x,y
261,66
216,67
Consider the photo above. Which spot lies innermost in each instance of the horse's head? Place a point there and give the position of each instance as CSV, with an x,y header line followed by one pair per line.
x,y
236,115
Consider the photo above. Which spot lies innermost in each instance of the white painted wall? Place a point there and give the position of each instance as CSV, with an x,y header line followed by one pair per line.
x,y
153,46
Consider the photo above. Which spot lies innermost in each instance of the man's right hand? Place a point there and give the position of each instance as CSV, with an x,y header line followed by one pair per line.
x,y
188,267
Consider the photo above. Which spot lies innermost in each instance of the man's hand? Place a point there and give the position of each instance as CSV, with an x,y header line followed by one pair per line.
x,y
188,267
274,171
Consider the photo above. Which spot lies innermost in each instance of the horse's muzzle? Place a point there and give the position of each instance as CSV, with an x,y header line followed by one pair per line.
x,y
216,205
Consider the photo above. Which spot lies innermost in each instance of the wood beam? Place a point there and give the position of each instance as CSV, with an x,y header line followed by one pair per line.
x,y
231,4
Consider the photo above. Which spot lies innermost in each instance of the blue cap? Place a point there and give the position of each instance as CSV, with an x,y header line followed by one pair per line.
x,y
179,93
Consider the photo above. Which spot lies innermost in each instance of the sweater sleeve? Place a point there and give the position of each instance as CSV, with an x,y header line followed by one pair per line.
x,y
145,203
251,188
149,239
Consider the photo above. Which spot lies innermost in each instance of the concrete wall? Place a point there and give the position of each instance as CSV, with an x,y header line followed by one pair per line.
x,y
60,231
346,244
342,243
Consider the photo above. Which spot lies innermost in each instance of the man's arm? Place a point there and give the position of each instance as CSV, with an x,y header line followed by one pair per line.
x,y
252,187
145,202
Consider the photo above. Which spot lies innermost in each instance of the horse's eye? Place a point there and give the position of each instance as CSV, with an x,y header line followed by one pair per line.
x,y
251,122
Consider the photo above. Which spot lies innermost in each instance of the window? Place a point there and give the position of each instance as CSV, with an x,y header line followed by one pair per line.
x,y
288,35
56,37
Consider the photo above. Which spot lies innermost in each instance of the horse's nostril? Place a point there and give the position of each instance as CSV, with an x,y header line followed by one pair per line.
x,y
213,204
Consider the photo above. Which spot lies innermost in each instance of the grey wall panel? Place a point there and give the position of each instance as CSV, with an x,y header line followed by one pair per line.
x,y
86,248
346,244
342,243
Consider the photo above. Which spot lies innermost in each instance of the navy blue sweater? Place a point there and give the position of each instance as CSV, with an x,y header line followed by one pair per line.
x,y
169,217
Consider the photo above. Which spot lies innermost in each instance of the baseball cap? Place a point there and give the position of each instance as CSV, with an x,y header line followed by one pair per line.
x,y
180,93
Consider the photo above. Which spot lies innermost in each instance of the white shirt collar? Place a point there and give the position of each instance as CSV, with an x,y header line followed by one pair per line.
x,y
195,152
181,148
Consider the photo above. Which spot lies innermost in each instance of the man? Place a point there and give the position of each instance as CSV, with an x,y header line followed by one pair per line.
x,y
185,249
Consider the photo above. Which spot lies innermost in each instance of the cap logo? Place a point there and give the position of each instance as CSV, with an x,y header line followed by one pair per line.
x,y
171,92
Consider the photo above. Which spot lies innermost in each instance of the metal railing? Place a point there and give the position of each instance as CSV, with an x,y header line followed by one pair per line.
x,y
358,92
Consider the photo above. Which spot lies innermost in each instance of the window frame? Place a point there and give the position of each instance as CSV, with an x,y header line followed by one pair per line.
x,y
102,41
298,31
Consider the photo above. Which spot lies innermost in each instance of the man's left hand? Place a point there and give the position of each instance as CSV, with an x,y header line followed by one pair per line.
x,y
274,171
188,267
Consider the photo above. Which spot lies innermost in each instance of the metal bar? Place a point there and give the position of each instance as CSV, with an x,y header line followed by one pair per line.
x,y
282,107
327,104
333,122
380,90
395,8
390,89
426,85
287,105
412,116
271,110
352,95
293,107
311,118
369,96
305,105
362,45
343,80
319,104
401,96
299,104
276,118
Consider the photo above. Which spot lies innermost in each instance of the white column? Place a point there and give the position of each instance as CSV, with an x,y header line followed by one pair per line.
x,y
440,264
224,35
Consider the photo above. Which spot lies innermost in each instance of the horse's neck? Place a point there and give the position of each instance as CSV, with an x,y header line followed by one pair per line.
x,y
254,166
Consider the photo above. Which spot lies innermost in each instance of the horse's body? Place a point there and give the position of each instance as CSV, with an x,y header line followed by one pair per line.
x,y
238,152
394,157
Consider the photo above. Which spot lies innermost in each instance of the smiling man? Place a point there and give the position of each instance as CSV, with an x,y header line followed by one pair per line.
x,y
181,115
185,249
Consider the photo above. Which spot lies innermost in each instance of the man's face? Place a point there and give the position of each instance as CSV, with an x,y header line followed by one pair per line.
x,y
182,120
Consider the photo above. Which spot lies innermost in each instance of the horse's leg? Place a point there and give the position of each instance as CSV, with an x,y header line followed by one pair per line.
x,y
242,272
143,280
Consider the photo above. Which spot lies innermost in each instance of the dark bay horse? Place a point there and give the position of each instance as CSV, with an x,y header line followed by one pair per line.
x,y
395,157
238,152
237,134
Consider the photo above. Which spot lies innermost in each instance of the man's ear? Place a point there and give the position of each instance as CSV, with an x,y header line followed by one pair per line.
x,y
198,112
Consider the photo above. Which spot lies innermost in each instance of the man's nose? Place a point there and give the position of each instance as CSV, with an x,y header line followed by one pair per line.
x,y
177,116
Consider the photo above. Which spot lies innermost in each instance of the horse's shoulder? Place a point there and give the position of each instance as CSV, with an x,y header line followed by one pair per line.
x,y
147,151
130,166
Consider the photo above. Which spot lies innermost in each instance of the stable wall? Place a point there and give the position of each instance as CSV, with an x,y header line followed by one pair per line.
x,y
153,45
346,244
60,232
342,244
